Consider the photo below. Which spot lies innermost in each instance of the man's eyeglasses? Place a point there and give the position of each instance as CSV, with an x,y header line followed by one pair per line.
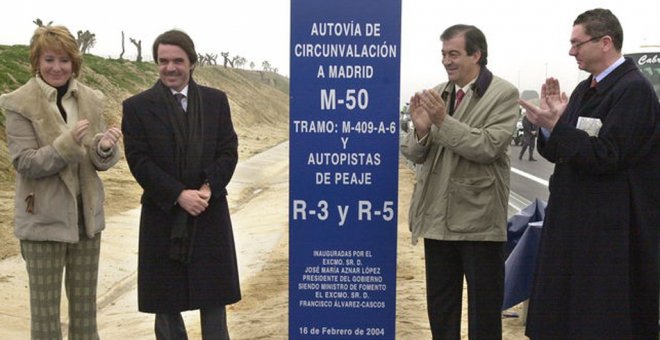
x,y
576,46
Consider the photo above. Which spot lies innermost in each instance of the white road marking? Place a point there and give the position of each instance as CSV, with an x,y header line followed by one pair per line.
x,y
517,202
530,176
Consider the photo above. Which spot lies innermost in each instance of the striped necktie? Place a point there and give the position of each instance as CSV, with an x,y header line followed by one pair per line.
x,y
179,99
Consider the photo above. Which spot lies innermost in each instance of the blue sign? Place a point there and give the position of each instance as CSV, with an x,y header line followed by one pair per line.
x,y
344,108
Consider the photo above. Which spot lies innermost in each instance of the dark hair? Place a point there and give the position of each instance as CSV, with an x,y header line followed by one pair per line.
x,y
601,22
475,40
178,38
58,39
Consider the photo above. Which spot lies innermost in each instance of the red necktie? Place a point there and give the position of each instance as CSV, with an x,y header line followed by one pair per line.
x,y
459,97
593,83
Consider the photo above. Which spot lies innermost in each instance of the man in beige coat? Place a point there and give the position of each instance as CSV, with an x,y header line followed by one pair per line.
x,y
459,205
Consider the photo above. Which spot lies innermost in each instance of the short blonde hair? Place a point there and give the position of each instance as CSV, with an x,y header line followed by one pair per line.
x,y
57,39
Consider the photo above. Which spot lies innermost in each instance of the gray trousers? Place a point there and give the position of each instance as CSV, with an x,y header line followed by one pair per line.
x,y
45,262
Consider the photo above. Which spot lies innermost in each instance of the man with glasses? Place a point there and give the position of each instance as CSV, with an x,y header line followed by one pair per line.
x,y
462,130
597,273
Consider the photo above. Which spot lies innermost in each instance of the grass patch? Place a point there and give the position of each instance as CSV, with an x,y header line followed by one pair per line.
x,y
14,67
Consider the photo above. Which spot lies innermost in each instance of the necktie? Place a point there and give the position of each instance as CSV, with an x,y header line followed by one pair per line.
x,y
459,97
179,99
593,83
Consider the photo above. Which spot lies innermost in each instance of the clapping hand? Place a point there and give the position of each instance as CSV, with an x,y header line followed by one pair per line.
x,y
426,108
110,138
552,105
419,117
434,105
79,131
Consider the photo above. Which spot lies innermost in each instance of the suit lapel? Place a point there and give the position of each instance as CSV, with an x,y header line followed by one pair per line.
x,y
156,106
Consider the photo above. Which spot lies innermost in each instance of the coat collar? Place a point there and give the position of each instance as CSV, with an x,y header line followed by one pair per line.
x,y
51,93
606,83
483,81
156,105
480,86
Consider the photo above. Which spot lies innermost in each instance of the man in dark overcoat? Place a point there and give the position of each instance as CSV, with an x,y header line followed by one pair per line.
x,y
597,271
181,148
529,138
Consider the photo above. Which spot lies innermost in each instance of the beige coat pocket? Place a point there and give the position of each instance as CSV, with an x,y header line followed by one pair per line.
x,y
470,204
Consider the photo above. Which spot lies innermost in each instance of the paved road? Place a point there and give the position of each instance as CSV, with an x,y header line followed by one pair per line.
x,y
529,180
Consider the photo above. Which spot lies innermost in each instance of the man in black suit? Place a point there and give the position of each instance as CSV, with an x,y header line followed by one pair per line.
x,y
181,147
597,268
529,139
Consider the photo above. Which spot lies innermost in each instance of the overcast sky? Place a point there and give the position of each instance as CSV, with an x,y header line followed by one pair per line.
x,y
528,39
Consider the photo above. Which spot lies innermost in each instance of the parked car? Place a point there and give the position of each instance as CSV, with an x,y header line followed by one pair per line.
x,y
518,133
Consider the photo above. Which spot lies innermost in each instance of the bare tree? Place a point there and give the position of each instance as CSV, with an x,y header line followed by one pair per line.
x,y
121,56
225,55
86,40
252,65
201,60
266,65
212,59
40,23
138,45
238,61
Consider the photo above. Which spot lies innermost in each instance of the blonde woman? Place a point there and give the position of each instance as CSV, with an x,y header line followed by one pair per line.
x,y
58,141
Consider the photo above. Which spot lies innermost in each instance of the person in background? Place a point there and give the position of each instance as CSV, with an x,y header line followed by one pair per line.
x,y
58,141
182,149
462,130
529,139
597,271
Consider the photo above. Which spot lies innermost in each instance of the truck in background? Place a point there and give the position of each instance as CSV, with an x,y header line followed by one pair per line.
x,y
648,61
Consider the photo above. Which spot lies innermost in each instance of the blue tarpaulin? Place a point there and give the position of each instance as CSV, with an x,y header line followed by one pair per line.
x,y
523,238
